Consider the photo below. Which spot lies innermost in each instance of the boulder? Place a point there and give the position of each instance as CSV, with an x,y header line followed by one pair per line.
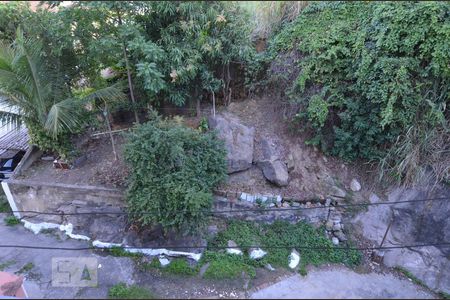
x,y
238,140
269,162
275,171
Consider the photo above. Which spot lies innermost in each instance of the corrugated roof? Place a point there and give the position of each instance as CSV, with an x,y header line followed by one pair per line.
x,y
16,139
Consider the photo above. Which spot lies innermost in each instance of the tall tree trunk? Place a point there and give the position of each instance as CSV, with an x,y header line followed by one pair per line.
x,y
110,132
130,83
197,97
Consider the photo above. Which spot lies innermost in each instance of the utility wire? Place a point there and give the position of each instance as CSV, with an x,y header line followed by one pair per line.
x,y
237,210
227,247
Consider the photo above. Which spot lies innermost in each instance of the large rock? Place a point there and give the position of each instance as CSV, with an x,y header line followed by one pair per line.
x,y
427,264
238,140
413,223
275,171
269,162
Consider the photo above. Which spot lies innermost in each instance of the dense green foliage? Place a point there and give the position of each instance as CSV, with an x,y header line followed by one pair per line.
x,y
175,169
369,72
11,16
123,291
34,94
281,233
177,51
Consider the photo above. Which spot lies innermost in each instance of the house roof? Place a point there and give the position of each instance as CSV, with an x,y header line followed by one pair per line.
x,y
13,141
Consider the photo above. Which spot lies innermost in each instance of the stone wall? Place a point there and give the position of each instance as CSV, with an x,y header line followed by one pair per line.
x,y
227,209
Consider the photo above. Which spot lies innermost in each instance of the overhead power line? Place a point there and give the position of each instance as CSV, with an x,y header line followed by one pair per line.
x,y
446,244
236,210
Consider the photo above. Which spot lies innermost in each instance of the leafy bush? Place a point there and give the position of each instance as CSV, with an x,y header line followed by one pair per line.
x,y
378,67
174,170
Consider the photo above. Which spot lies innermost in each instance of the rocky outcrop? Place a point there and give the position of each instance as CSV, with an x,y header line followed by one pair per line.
x,y
413,223
238,138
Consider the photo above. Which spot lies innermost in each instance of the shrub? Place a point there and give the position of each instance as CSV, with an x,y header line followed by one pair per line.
x,y
379,69
174,170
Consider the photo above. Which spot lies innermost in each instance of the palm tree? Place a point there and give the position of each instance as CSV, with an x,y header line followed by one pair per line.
x,y
33,94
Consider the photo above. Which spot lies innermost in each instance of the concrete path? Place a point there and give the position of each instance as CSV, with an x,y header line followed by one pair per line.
x,y
38,264
342,283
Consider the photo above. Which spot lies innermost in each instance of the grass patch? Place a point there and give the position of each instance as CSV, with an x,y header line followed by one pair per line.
x,y
12,221
226,266
293,236
26,268
6,264
4,205
120,252
177,266
123,291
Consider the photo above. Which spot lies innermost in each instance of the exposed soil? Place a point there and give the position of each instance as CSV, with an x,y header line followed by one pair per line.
x,y
314,173
96,165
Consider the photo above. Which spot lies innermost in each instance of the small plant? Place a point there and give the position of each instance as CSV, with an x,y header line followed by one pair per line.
x,y
444,295
203,125
12,221
4,205
26,268
6,264
123,291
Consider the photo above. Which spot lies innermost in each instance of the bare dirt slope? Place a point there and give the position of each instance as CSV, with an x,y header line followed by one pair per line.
x,y
314,174
94,166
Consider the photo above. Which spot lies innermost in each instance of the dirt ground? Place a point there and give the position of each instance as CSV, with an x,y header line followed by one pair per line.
x,y
95,166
